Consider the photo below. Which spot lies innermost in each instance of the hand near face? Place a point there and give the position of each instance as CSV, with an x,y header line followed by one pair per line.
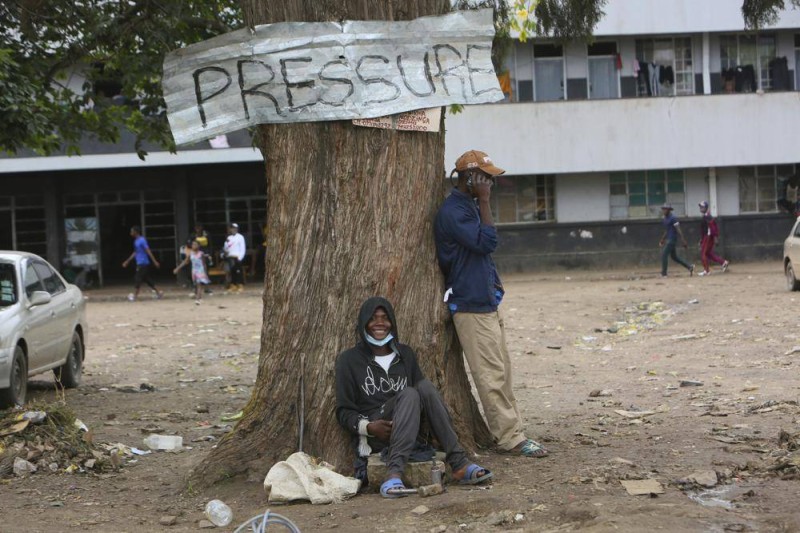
x,y
482,186
380,429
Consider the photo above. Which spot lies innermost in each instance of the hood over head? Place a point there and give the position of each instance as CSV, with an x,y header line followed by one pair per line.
x,y
367,309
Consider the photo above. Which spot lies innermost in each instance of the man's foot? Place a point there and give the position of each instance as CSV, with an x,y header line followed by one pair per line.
x,y
529,448
159,295
239,288
705,273
725,266
691,270
472,474
197,302
664,276
391,487
131,297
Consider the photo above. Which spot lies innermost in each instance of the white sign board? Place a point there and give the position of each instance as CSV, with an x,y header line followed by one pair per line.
x,y
315,71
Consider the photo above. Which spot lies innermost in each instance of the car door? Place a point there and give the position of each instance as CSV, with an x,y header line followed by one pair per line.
x,y
794,246
62,311
38,332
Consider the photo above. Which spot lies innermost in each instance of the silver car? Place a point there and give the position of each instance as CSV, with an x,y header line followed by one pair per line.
x,y
42,325
791,257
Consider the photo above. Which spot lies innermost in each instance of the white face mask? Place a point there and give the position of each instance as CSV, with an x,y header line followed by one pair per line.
x,y
373,341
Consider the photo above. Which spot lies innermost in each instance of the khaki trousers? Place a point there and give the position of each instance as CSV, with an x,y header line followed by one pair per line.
x,y
483,338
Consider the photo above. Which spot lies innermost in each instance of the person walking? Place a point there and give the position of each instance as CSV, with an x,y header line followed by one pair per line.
x,y
199,275
669,240
465,240
234,250
709,237
144,259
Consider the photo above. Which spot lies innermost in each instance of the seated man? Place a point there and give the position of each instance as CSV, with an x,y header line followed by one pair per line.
x,y
381,395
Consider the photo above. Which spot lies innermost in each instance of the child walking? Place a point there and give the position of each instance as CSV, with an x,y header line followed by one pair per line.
x,y
199,276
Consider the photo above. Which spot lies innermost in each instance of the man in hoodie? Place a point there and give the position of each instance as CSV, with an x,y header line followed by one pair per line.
x,y
381,395
465,240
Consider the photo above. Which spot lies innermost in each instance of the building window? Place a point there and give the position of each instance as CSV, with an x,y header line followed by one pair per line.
x,y
759,187
22,219
641,193
538,72
745,62
603,73
216,207
797,62
665,67
523,199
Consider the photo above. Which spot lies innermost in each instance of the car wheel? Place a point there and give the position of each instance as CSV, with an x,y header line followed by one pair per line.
x,y
791,280
18,381
69,374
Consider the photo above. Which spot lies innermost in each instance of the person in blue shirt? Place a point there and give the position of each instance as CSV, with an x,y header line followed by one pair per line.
x,y
672,231
465,239
144,258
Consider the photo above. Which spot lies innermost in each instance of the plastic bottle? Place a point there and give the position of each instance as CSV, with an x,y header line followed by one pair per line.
x,y
218,513
163,442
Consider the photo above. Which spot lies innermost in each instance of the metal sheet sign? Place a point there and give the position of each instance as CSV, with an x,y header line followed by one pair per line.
x,y
308,72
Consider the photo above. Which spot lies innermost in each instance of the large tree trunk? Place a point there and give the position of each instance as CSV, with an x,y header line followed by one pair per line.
x,y
350,216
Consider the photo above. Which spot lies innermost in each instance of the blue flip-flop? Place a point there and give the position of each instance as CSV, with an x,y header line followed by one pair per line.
x,y
392,483
471,476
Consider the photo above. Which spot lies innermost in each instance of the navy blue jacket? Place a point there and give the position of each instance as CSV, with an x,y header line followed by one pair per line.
x,y
464,248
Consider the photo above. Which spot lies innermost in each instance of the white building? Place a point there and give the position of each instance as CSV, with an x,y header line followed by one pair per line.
x,y
593,143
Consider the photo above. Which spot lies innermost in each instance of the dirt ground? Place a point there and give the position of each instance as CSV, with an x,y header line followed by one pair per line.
x,y
630,336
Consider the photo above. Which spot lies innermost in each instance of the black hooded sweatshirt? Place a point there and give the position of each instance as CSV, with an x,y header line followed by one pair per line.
x,y
362,385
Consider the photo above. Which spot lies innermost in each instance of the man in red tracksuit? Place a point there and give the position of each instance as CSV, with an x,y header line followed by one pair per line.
x,y
709,235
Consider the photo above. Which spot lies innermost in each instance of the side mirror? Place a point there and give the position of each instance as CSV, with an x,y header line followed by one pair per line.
x,y
39,298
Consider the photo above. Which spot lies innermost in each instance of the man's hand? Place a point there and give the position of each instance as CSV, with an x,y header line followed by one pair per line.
x,y
380,429
482,186
661,242
124,264
685,244
156,263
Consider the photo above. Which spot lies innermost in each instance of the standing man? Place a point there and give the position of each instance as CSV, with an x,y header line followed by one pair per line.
x,y
144,258
234,250
465,239
709,236
669,239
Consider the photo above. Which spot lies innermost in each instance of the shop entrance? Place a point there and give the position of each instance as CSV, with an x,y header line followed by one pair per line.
x,y
116,212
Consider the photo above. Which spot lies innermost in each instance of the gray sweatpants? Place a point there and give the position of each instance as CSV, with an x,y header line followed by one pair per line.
x,y
405,411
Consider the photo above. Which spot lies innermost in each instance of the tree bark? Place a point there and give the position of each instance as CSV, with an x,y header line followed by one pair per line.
x,y
350,216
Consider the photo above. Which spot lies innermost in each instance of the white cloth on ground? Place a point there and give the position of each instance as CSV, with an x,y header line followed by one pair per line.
x,y
301,477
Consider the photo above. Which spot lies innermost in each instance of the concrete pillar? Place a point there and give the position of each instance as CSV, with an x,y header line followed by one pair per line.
x,y
183,222
53,222
712,191
706,64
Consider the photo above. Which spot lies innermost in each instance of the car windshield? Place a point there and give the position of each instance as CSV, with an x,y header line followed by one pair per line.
x,y
8,284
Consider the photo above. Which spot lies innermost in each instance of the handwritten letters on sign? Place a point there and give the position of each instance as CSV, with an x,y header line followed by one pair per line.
x,y
307,72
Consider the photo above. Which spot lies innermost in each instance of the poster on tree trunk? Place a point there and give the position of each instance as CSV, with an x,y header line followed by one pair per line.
x,y
316,71
419,120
